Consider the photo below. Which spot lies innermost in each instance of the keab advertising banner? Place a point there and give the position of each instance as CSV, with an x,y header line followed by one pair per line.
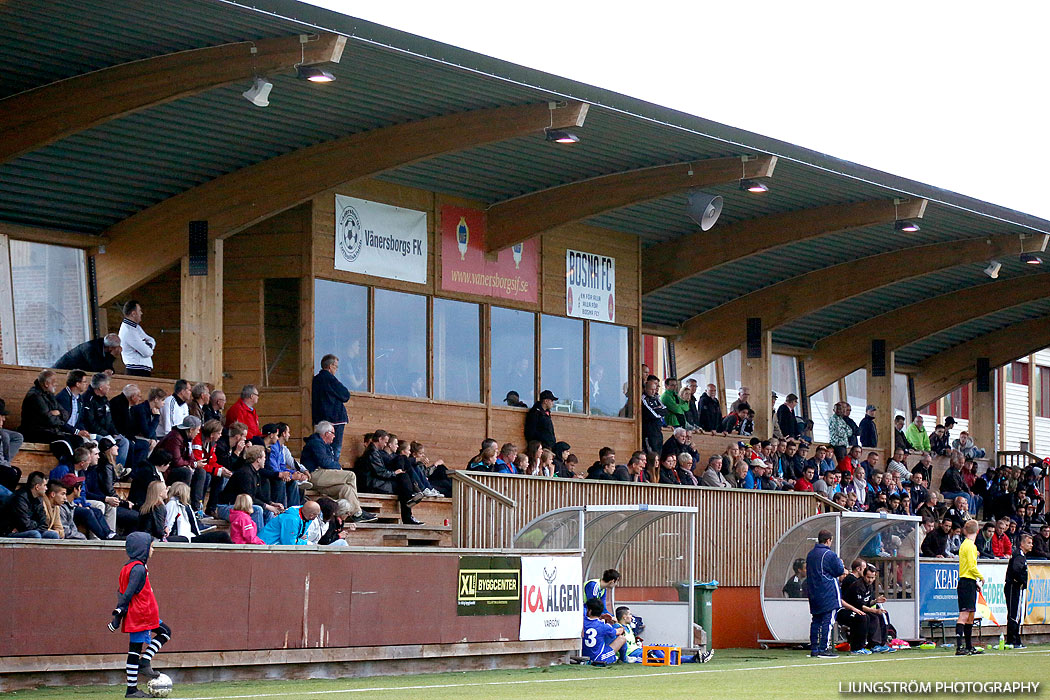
x,y
590,286
551,598
514,274
380,240
937,591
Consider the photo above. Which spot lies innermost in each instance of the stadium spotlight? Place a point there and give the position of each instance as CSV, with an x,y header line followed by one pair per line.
x,y
1031,259
905,225
561,136
313,74
754,186
703,208
259,93
993,269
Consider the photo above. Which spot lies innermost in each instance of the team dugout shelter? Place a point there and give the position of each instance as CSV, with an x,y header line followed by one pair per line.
x,y
277,182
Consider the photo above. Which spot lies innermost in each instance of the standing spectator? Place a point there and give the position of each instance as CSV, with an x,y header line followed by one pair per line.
x,y
854,428
900,442
916,435
326,474
10,443
538,423
709,410
673,403
513,399
841,435
176,407
869,432
786,418
120,409
200,395
136,346
1016,583
939,440
243,411
96,416
42,417
653,414
25,515
216,405
823,571
743,395
692,414
96,355
328,400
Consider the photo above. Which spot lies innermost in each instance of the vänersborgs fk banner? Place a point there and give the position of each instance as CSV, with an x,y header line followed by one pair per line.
x,y
380,240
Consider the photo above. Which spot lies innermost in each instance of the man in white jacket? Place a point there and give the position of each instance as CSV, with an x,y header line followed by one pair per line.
x,y
136,347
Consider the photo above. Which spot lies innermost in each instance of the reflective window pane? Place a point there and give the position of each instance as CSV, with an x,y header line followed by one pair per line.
x,y
400,343
608,370
561,361
513,364
821,406
857,393
49,289
457,351
341,328
901,400
784,374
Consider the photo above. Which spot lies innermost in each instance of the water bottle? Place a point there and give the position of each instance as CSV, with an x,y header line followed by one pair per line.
x,y
1002,644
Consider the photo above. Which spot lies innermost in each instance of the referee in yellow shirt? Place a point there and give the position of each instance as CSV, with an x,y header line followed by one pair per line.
x,y
967,590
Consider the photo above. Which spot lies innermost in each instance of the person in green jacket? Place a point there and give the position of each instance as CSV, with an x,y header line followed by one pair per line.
x,y
916,435
676,407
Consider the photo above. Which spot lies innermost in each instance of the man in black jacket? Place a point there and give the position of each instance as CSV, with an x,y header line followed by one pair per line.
x,y
538,423
1016,582
25,515
786,419
96,416
328,400
96,355
935,543
120,408
653,412
869,432
42,417
709,410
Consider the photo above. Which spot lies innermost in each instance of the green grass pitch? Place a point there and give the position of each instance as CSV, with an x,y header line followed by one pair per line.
x,y
734,673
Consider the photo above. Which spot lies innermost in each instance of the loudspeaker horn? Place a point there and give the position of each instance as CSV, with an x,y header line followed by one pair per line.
x,y
704,208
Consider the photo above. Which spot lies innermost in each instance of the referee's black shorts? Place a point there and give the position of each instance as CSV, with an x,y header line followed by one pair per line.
x,y
967,592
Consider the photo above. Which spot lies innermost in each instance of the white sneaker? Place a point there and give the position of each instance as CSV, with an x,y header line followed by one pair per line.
x,y
432,492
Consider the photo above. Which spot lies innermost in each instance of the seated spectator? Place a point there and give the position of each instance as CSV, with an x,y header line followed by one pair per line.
x,y
419,464
897,464
763,476
840,499
246,480
795,587
829,485
668,469
95,355
82,512
204,452
150,470
916,435
327,475
181,523
955,541
120,410
522,466
605,468
681,440
741,477
791,462
76,465
485,444
486,461
805,482
1041,543
152,513
42,417
216,405
179,444
964,443
24,514
242,527
97,418
10,444
229,453
930,508
71,398
200,396
1002,547
504,460
145,421
560,461
734,423
99,480
279,477
54,499
958,511
871,465
850,462
533,450
243,410
176,407
291,526
939,441
953,484
936,542
382,479
334,524
984,541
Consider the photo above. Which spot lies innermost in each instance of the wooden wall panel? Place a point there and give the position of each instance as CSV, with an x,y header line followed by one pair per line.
x,y
160,300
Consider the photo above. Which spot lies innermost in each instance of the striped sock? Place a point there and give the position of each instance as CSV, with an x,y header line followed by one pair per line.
x,y
160,640
131,668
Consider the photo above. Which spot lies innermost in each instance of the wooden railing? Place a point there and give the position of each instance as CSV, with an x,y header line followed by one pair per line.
x,y
1016,458
736,529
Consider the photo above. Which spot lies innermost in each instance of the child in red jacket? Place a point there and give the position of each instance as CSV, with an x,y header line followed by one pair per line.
x,y
137,613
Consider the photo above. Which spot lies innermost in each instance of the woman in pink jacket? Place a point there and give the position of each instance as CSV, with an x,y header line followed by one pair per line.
x,y
242,529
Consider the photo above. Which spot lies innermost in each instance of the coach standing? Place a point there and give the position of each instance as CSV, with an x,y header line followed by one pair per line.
x,y
328,400
823,571
1016,582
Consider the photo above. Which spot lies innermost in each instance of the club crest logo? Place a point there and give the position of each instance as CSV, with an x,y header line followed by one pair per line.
x,y
348,234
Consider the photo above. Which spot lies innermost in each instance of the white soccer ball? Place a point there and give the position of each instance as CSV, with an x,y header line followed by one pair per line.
x,y
159,687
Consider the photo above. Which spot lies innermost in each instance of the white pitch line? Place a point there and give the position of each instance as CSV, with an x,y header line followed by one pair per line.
x,y
434,686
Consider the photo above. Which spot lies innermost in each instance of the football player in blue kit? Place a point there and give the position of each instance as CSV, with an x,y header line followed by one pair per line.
x,y
598,588
601,641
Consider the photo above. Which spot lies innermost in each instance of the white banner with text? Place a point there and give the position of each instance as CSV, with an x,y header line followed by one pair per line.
x,y
551,598
590,286
380,240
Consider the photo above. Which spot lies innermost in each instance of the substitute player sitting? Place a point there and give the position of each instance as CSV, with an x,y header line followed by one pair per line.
x,y
599,588
967,590
601,641
632,649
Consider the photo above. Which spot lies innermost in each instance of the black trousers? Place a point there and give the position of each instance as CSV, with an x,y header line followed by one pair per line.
x,y
876,629
1013,613
858,628
403,489
139,372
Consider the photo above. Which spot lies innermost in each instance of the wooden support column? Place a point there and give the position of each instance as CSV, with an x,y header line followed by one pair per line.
x,y
756,374
201,320
982,417
880,395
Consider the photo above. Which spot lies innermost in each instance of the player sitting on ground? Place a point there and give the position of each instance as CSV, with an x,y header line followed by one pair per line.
x,y
598,588
632,649
601,641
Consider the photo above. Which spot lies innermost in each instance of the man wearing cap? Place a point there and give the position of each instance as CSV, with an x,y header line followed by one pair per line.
x,y
514,400
179,444
538,423
869,433
10,443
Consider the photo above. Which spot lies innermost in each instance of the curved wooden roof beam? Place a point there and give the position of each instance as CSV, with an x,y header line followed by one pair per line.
x,y
673,261
515,220
942,373
711,334
145,244
43,115
841,353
